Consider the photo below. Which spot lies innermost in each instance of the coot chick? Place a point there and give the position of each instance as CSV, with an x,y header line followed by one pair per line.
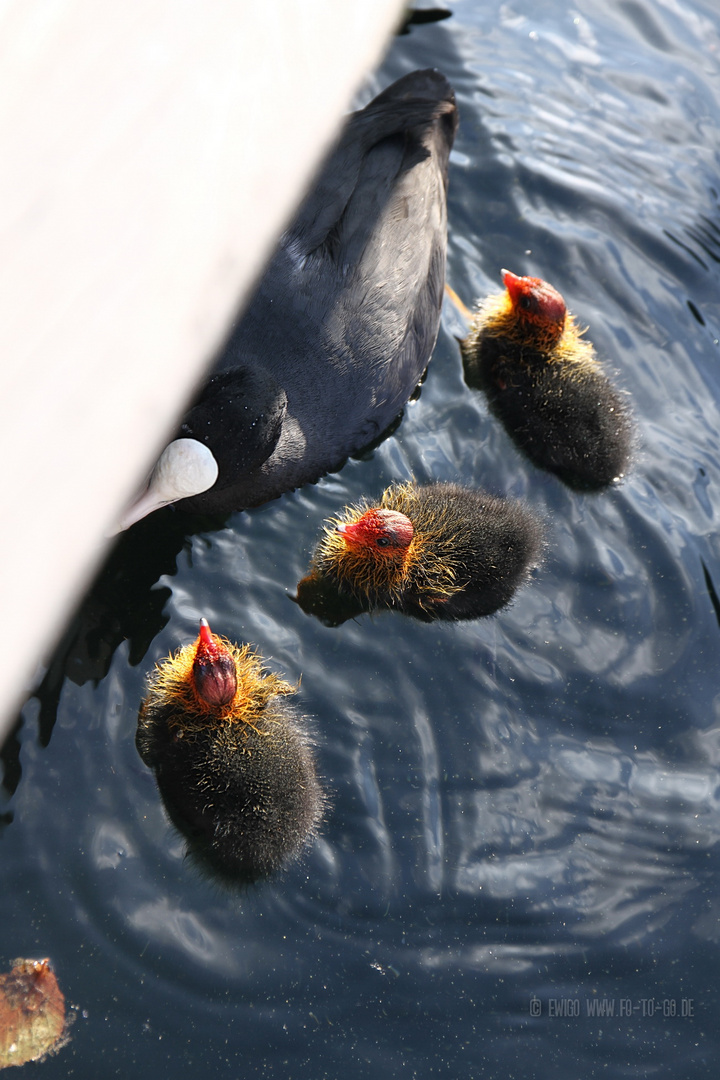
x,y
544,382
232,758
343,322
436,552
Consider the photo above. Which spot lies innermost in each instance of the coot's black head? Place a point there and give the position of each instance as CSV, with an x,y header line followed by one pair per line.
x,y
231,429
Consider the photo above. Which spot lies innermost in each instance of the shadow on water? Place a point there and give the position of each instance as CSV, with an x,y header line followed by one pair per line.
x,y
422,17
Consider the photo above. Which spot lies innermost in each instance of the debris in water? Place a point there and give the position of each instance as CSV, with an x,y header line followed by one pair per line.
x,y
32,1013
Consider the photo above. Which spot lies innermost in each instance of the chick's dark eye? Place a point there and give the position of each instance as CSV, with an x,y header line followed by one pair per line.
x,y
383,541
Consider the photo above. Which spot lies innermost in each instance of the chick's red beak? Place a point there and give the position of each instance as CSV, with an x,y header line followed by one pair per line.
x,y
512,283
353,534
535,300
214,672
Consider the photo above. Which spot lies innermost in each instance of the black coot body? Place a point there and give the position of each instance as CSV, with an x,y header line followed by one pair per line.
x,y
343,323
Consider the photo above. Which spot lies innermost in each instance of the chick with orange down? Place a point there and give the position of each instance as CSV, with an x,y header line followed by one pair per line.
x,y
436,552
232,758
544,382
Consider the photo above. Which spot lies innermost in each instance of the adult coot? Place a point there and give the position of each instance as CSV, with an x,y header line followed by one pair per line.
x,y
232,758
437,552
544,382
342,325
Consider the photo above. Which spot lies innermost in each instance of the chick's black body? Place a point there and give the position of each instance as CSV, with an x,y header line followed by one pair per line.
x,y
343,322
245,801
574,424
493,544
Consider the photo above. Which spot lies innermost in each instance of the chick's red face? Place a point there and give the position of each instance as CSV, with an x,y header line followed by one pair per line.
x,y
535,301
214,671
384,531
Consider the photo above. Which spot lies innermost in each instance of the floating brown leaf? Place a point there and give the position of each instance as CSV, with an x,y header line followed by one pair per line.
x,y
32,1013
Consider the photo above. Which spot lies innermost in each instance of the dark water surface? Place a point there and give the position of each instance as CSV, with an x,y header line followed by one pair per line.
x,y
525,816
